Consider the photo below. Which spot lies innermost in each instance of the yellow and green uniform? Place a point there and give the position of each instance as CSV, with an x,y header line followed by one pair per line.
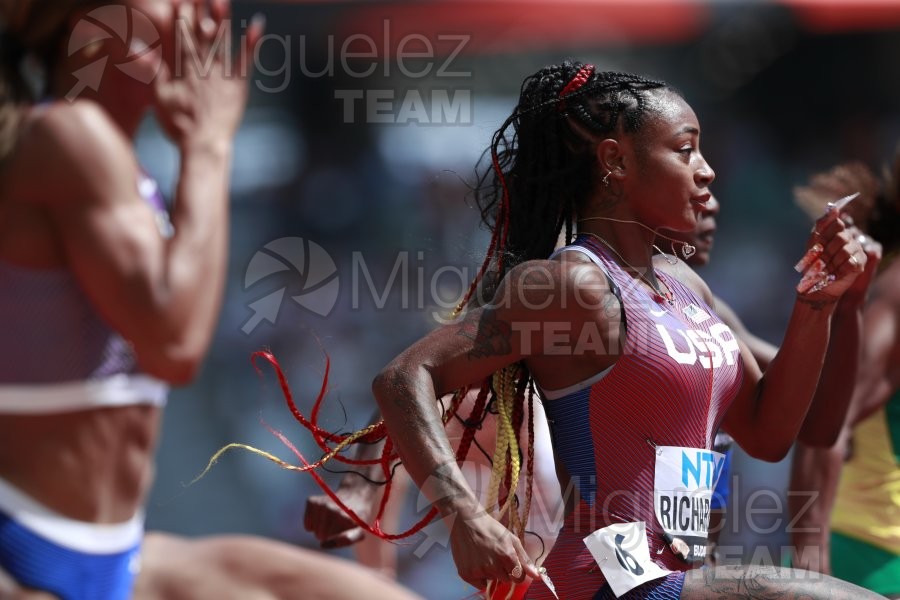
x,y
865,524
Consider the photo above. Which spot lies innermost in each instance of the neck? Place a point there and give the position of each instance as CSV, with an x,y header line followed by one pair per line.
x,y
624,235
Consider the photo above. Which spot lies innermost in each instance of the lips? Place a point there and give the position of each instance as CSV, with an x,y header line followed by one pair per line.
x,y
701,199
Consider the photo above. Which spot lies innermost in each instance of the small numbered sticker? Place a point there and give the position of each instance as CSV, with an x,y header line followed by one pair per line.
x,y
622,552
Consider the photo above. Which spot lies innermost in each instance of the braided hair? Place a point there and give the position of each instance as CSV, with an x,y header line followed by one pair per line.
x,y
876,211
541,173
540,177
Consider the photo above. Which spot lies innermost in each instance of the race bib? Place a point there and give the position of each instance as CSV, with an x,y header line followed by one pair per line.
x,y
684,482
622,552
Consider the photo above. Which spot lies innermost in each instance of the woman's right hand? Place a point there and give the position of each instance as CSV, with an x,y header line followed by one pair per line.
x,y
833,262
204,99
484,550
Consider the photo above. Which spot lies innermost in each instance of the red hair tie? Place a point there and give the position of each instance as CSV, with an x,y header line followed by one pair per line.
x,y
581,77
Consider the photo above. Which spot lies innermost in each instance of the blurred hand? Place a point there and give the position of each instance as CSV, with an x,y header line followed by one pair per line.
x,y
330,524
204,100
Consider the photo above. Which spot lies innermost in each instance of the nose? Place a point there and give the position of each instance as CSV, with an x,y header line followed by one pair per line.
x,y
704,175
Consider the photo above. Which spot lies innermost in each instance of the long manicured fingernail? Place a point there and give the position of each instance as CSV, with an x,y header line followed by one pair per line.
x,y
811,255
812,276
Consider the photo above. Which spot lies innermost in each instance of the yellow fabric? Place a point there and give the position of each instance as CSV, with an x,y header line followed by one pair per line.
x,y
868,502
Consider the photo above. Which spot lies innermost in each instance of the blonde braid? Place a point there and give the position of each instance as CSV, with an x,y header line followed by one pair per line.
x,y
350,439
506,450
498,461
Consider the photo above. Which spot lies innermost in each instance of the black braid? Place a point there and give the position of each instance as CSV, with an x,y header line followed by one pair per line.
x,y
548,165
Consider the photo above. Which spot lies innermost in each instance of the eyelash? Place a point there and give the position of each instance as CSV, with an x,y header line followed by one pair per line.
x,y
688,150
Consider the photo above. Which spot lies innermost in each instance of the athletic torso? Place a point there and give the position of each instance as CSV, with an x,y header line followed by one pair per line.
x,y
77,419
678,370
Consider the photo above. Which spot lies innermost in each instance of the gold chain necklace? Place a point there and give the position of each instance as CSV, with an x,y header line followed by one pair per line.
x,y
668,296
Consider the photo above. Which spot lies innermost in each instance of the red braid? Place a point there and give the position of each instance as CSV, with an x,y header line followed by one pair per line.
x,y
320,435
377,432
498,236
501,228
581,77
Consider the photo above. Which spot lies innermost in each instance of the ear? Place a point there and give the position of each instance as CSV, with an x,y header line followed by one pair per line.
x,y
611,159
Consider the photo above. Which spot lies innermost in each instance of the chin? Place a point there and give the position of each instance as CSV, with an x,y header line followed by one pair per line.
x,y
699,259
688,224
685,227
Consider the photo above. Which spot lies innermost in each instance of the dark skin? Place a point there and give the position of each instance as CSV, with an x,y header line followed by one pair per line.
x,y
748,582
702,239
815,471
522,325
819,469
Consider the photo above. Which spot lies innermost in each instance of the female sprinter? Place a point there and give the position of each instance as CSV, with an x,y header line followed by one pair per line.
x,y
635,370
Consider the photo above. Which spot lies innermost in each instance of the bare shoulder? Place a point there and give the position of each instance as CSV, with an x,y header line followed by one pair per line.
x,y
86,148
680,270
569,282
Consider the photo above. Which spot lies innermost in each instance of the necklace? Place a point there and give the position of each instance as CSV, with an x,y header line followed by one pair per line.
x,y
658,294
687,250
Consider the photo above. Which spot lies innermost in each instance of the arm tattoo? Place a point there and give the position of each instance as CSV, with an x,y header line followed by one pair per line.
x,y
490,335
610,305
762,582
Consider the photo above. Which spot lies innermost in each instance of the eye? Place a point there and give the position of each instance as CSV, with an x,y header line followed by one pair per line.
x,y
687,150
